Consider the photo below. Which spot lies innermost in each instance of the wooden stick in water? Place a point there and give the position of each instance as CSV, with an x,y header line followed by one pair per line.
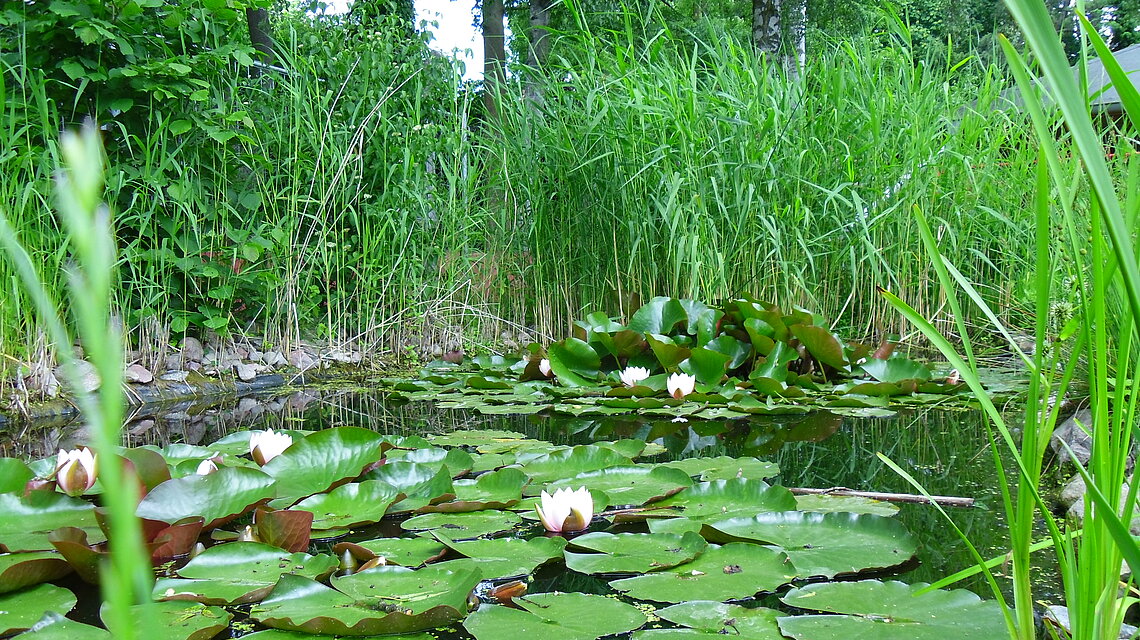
x,y
946,501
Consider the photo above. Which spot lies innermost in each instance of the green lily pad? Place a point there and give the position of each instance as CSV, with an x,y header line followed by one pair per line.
x,y
491,461
324,459
217,497
632,485
278,634
890,611
237,443
896,369
187,620
414,592
737,350
569,462
731,572
21,610
706,365
422,484
300,604
475,437
720,499
823,503
349,505
496,490
822,344
668,353
28,520
14,474
704,618
53,626
19,570
457,461
506,557
406,552
574,362
473,524
659,315
858,401
555,616
239,573
633,552
726,468
823,544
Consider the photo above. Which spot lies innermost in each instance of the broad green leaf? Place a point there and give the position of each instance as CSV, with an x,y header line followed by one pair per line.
x,y
495,490
28,520
628,485
668,353
422,483
473,524
20,610
706,365
725,468
350,505
218,497
822,344
660,315
19,570
704,618
896,369
406,552
555,616
239,573
569,462
14,474
574,362
632,552
505,557
324,459
731,572
53,626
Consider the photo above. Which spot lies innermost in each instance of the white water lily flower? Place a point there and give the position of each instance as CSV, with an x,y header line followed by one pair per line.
x,y
267,445
206,467
632,375
75,470
680,385
566,511
544,367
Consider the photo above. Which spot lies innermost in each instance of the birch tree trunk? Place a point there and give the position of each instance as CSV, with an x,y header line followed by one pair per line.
x,y
494,55
539,46
766,28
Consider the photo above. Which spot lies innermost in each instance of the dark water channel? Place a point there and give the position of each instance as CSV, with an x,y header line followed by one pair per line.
x,y
944,449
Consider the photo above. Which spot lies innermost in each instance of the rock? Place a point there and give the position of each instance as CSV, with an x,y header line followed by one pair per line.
x,y
1058,615
255,355
245,371
82,375
194,366
1075,435
174,376
301,359
1073,492
274,359
192,350
247,405
141,427
138,374
1073,496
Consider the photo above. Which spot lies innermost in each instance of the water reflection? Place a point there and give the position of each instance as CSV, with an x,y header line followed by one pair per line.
x,y
945,450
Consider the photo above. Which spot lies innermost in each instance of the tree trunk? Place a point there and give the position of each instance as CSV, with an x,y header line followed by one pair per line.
x,y
539,46
260,34
494,55
798,58
766,27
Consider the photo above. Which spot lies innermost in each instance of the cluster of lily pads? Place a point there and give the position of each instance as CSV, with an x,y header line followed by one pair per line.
x,y
347,532
685,359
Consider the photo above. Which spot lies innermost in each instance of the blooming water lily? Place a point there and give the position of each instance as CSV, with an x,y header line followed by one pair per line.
x,y
267,445
633,375
544,367
566,511
206,467
680,385
75,470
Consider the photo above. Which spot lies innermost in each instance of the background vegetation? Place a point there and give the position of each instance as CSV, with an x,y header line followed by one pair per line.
x,y
342,185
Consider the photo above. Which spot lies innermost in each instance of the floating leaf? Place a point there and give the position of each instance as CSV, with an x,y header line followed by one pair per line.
x,y
187,620
580,459
472,524
324,459
734,571
896,369
629,485
21,610
555,616
349,505
707,618
574,362
659,315
668,353
725,468
14,474
239,572
496,490
721,499
421,483
506,557
824,503
457,461
823,544
217,497
822,344
890,611
406,552
286,529
29,519
278,634
19,570
475,437
633,552
53,626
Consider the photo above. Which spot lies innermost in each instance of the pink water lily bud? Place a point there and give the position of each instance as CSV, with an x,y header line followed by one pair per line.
x,y
75,470
633,375
267,445
680,385
566,511
544,367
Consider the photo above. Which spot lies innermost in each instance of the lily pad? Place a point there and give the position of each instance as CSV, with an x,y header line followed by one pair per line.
x,y
472,524
823,544
555,616
14,474
324,459
580,459
21,610
406,552
890,611
574,362
457,461
720,499
822,503
188,620
475,437
506,557
218,497
300,604
659,315
632,485
422,484
19,570
633,552
896,369
349,505
53,626
278,634
239,573
29,519
726,468
704,618
731,572
496,490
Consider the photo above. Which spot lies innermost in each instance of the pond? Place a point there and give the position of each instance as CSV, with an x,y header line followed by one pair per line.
x,y
945,449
